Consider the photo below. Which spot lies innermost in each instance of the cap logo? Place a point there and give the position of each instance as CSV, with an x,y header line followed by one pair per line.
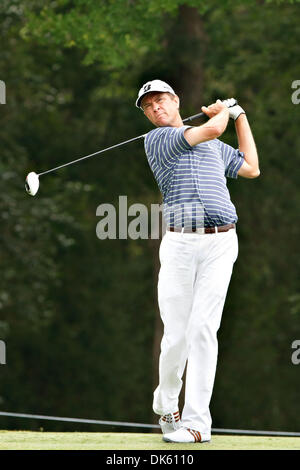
x,y
147,87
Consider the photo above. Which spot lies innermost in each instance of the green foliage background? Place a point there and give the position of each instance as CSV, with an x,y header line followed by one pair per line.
x,y
79,315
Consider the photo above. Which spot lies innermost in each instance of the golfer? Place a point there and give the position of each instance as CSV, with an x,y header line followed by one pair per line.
x,y
198,250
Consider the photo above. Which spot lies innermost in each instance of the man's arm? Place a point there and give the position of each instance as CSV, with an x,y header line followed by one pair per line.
x,y
213,128
250,167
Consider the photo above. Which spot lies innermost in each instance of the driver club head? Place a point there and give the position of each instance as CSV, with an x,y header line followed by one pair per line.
x,y
32,183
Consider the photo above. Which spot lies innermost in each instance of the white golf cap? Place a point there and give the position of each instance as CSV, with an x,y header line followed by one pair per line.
x,y
150,87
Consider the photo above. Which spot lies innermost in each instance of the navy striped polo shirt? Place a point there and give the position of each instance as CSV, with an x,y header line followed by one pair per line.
x,y
192,180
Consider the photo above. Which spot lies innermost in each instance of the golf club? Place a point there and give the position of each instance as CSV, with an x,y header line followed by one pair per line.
x,y
32,180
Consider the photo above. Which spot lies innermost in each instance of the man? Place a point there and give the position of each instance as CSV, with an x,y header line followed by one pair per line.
x,y
198,250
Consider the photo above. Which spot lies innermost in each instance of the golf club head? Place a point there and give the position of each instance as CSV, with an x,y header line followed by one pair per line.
x,y
32,183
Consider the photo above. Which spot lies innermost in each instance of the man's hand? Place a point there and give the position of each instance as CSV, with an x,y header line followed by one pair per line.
x,y
214,109
234,111
218,115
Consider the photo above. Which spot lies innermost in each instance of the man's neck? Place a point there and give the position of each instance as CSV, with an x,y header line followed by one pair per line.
x,y
177,122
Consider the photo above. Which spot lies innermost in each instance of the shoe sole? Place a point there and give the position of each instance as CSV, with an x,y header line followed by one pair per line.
x,y
166,439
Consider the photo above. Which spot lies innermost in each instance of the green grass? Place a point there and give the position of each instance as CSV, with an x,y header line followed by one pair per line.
x,y
29,440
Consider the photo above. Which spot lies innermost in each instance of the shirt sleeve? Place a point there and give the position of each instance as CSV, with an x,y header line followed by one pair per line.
x,y
166,144
233,159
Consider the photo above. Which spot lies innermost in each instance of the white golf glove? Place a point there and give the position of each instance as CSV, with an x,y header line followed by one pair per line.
x,y
235,110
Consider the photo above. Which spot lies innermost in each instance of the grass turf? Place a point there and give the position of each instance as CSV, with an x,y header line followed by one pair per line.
x,y
29,440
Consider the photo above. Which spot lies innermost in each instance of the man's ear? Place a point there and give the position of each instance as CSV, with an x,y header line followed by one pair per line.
x,y
177,101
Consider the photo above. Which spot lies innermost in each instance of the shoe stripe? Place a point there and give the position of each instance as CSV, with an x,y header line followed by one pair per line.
x,y
192,432
196,435
169,417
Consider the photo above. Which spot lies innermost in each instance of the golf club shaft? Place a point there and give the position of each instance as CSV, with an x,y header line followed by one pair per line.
x,y
92,154
195,116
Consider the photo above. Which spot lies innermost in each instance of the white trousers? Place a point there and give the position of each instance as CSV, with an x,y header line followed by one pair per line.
x,y
192,286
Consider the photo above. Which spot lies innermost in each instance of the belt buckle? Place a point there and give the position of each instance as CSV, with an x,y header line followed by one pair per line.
x,y
200,230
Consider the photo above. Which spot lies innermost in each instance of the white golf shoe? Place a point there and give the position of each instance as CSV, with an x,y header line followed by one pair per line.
x,y
170,423
186,435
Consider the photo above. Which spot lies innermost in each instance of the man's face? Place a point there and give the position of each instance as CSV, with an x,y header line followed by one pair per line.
x,y
161,108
